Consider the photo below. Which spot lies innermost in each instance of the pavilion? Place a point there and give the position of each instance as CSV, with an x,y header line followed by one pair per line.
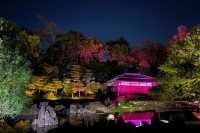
x,y
133,83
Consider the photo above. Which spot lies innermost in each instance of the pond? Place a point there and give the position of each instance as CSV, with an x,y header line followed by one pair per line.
x,y
95,115
127,120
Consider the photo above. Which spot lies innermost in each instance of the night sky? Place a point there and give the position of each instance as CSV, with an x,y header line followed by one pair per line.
x,y
136,20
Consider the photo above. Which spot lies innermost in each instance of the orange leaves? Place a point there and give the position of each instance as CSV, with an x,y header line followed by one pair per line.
x,y
53,86
42,83
69,86
38,82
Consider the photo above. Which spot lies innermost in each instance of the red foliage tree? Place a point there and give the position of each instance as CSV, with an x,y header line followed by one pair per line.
x,y
149,56
92,49
181,33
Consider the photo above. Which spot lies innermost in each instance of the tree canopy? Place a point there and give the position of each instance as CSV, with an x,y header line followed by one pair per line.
x,y
14,75
180,74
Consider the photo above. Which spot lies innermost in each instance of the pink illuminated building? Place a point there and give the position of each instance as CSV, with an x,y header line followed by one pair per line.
x,y
133,83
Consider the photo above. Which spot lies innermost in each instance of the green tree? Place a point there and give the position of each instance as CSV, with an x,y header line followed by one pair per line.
x,y
14,76
180,75
29,45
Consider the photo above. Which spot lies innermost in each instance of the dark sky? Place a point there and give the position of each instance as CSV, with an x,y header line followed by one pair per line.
x,y
136,20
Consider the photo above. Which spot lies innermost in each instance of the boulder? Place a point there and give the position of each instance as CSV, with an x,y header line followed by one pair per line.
x,y
73,109
34,110
99,107
46,119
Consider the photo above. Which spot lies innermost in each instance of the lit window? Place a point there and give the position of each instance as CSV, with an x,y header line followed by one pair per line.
x,y
124,83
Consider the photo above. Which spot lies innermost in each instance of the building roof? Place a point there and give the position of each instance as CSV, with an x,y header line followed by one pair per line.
x,y
132,77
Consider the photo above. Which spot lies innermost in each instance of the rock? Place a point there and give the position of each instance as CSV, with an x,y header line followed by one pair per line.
x,y
73,109
91,108
110,117
98,107
59,108
34,110
46,119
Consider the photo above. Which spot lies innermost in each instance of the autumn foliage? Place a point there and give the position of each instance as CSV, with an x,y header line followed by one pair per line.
x,y
181,33
92,49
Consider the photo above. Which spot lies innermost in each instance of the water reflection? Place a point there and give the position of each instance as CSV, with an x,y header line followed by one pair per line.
x,y
83,120
89,119
138,117
44,129
80,116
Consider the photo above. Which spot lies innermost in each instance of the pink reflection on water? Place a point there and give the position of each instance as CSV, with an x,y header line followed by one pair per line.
x,y
138,122
137,117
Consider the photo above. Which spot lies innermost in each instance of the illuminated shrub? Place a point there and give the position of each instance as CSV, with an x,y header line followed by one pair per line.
x,y
14,75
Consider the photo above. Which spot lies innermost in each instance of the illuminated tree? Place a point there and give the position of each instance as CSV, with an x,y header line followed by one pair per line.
x,y
51,88
37,84
142,57
149,56
77,87
92,49
92,88
46,85
75,75
181,32
67,86
180,75
29,44
14,75
26,42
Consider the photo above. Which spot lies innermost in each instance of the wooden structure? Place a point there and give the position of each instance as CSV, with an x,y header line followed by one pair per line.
x,y
133,83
